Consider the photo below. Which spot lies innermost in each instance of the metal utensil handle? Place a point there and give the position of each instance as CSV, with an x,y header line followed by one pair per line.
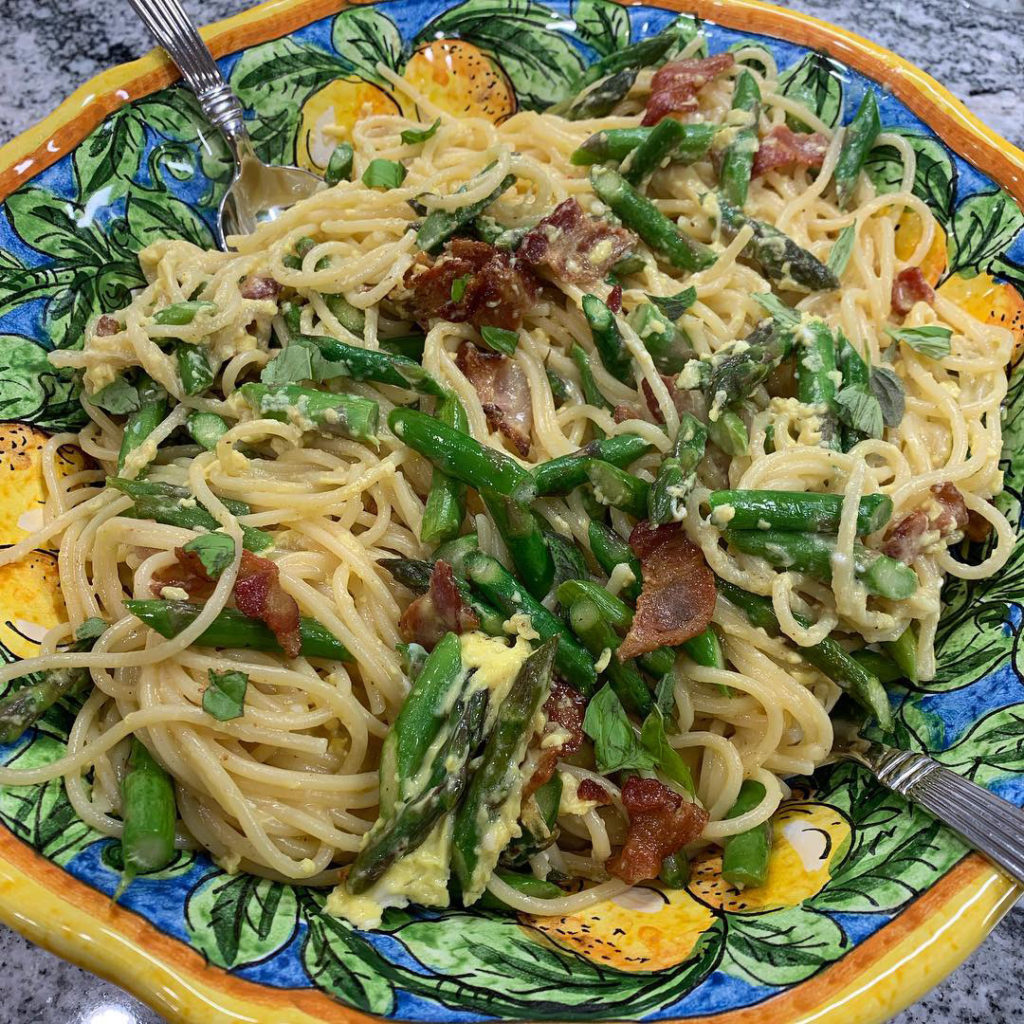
x,y
174,31
990,824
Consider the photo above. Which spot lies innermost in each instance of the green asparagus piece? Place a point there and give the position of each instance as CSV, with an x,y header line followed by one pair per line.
x,y
675,870
140,424
856,374
617,488
600,99
455,552
352,318
668,346
612,608
497,784
813,553
501,589
678,473
644,53
610,550
745,856
413,573
607,338
525,541
231,628
348,415
729,433
178,314
736,373
795,511
560,392
816,378
903,651
655,151
567,472
149,813
597,635
175,506
206,428
538,823
592,394
459,455
440,225
339,167
640,214
446,502
194,368
569,562
706,649
791,267
738,160
408,345
528,885
828,656
613,145
883,668
860,136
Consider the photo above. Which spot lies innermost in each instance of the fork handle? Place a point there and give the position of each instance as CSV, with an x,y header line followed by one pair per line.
x,y
990,824
171,27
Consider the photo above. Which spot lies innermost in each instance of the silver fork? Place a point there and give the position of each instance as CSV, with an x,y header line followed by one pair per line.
x,y
993,826
257,191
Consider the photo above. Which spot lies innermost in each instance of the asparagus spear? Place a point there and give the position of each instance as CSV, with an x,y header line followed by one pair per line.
x,y
607,338
231,628
738,160
339,167
178,314
795,511
618,489
352,318
141,423
903,651
613,145
610,550
440,225
194,368
567,472
149,812
668,346
884,669
828,656
347,415
642,54
791,267
600,99
592,394
729,433
640,214
856,374
446,502
497,784
524,540
675,870
568,559
816,378
860,136
677,473
206,428
528,885
408,345
814,554
745,855
655,151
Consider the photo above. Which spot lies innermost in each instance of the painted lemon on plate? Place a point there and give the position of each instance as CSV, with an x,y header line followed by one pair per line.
x,y
30,602
461,79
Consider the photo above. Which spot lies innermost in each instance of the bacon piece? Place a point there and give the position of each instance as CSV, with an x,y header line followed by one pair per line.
x,y
684,400
499,289
943,518
257,592
623,411
563,712
106,326
660,822
678,596
783,147
590,789
615,299
440,610
256,286
674,86
909,288
575,246
504,393
978,527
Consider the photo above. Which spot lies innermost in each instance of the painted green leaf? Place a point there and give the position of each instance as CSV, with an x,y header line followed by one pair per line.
x,y
108,159
19,284
237,920
602,24
815,82
969,646
54,225
991,749
344,964
984,226
934,176
365,38
70,309
781,947
152,215
917,728
33,391
541,63
749,60
897,851
174,114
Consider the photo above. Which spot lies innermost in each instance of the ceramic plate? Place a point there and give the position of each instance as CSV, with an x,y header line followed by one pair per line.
x,y
868,901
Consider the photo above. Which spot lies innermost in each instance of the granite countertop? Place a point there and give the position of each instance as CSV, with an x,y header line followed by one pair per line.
x,y
71,40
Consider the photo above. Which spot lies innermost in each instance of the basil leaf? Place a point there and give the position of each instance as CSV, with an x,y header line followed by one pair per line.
x,y
932,341
339,167
383,173
777,309
859,409
842,248
615,744
411,136
459,287
290,365
499,339
215,550
91,629
674,306
665,695
888,389
118,397
224,698
666,758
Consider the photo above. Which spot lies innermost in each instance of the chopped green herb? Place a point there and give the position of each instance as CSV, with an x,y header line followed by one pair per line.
x,y
860,410
616,746
674,306
932,340
384,174
91,629
499,339
667,760
782,314
459,287
339,167
224,698
119,397
887,387
841,250
412,136
215,550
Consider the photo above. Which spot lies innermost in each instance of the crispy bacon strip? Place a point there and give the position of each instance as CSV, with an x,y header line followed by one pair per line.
x,y
615,299
678,595
504,393
590,789
674,86
942,519
909,288
575,246
684,401
106,326
563,713
440,610
978,527
498,288
783,147
660,822
256,286
257,592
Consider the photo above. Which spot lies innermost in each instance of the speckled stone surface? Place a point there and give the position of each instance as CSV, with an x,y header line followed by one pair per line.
x,y
976,53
